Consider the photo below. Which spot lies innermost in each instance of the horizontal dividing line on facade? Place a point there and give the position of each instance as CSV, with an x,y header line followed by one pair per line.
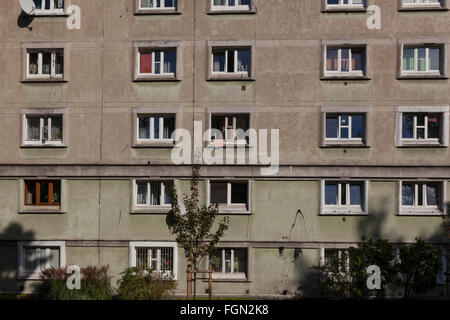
x,y
222,244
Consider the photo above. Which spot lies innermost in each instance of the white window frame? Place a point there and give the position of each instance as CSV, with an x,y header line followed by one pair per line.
x,y
35,275
227,141
229,206
235,72
339,250
227,7
425,127
341,4
48,142
439,209
52,10
152,127
162,7
349,126
161,196
230,275
161,62
416,60
52,64
347,209
425,3
147,244
339,72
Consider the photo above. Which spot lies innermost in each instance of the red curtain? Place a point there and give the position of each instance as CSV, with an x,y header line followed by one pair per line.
x,y
145,62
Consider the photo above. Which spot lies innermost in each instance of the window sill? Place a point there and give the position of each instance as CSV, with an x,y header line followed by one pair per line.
x,y
422,77
343,212
344,10
31,276
41,210
154,12
43,80
154,144
422,8
211,145
148,210
234,211
230,78
43,146
50,14
222,277
156,79
344,144
418,144
421,212
221,12
345,78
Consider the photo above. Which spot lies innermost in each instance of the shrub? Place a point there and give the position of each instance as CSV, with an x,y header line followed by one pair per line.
x,y
144,284
95,284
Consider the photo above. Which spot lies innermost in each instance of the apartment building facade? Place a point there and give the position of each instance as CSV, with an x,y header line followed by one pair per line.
x,y
91,119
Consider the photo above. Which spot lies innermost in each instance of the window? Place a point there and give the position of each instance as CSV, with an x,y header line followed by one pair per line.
x,y
231,61
421,126
155,127
42,130
422,3
153,193
157,4
42,193
344,197
234,195
229,263
45,64
157,62
36,256
345,127
421,197
229,129
231,5
345,61
345,3
422,60
337,259
159,256
44,7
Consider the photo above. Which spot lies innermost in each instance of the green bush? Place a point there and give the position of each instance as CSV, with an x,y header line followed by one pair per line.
x,y
144,284
95,285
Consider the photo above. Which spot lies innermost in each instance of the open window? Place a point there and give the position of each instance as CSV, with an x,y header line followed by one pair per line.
x,y
229,129
230,196
229,263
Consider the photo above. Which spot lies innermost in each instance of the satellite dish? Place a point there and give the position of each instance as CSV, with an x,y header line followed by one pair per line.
x,y
27,6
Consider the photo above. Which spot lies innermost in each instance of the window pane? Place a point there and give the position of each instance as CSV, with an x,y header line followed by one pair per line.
x,y
357,59
432,194
331,194
408,194
167,186
332,126
59,4
31,259
42,259
219,192
218,123
46,62
145,64
434,62
357,126
243,61
408,59
408,126
227,261
56,131
166,259
169,127
56,196
170,62
141,196
215,259
332,60
38,4
219,61
230,61
59,63
239,193
240,260
43,192
33,128
433,126
355,194
345,56
54,258
157,55
144,128
30,196
421,60
33,63
156,127
155,193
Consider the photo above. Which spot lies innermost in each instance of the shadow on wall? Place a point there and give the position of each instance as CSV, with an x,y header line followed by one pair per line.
x,y
8,252
24,20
